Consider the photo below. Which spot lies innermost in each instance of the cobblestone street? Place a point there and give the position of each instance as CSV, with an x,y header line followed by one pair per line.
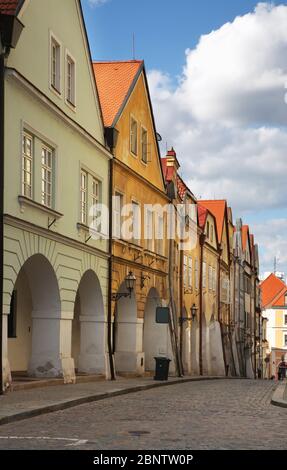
x,y
217,414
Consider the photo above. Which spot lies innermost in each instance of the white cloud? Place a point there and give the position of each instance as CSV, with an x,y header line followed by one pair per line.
x,y
227,117
272,237
97,3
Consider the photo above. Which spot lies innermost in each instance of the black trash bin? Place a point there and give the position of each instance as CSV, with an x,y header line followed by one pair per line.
x,y
161,368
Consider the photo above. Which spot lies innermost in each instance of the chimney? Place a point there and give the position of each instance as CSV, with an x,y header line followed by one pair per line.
x,y
171,160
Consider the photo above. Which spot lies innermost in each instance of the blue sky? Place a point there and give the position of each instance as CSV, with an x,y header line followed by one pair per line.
x,y
217,74
163,28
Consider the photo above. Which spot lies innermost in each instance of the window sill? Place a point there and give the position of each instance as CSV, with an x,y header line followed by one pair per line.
x,y
25,201
70,105
85,228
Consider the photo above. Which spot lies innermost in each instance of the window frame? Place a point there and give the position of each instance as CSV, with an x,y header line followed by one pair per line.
x,y
70,103
84,191
117,234
133,119
51,170
57,89
27,135
145,162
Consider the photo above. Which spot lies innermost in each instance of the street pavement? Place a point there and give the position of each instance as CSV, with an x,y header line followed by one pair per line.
x,y
217,414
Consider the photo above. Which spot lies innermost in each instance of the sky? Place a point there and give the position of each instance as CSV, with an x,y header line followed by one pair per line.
x,y
217,74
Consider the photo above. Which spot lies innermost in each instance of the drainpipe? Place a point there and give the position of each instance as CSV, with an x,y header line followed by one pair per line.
x,y
111,136
181,284
201,242
10,31
110,271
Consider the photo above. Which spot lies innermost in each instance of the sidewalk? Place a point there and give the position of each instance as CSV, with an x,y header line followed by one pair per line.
x,y
279,397
23,404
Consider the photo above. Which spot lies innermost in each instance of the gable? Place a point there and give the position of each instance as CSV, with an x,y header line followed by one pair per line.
x,y
138,108
31,58
224,244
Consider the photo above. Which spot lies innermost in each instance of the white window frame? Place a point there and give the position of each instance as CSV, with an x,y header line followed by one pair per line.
x,y
189,272
143,129
210,283
159,238
70,102
84,197
25,158
47,197
57,88
149,230
196,274
204,274
185,272
117,214
136,223
96,198
133,119
214,279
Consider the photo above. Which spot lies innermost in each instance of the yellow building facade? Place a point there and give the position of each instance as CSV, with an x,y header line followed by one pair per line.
x,y
139,228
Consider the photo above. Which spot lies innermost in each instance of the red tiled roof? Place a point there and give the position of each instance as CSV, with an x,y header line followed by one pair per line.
x,y
273,291
168,171
244,234
181,187
217,208
8,7
114,80
202,215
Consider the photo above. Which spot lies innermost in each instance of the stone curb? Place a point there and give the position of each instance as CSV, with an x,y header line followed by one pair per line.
x,y
278,396
65,404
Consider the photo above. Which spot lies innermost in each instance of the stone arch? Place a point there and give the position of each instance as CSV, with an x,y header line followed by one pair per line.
x,y
186,344
128,352
50,355
205,345
89,326
155,335
194,347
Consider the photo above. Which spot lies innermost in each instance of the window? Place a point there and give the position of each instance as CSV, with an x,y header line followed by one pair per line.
x,y
203,274
211,233
118,205
159,234
47,176
196,274
55,64
144,144
83,197
70,80
189,276
214,280
12,317
207,229
149,230
285,320
134,136
185,280
96,199
27,165
136,222
285,341
210,279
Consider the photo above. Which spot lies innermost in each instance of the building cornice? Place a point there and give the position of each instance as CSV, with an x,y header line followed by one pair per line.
x,y
137,175
44,232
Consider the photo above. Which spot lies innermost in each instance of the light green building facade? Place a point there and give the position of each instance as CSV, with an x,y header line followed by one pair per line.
x,y
56,167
